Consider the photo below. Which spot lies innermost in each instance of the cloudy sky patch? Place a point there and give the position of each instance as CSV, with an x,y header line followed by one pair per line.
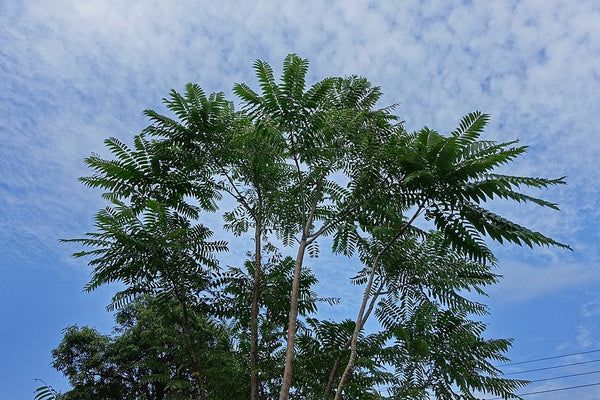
x,y
73,73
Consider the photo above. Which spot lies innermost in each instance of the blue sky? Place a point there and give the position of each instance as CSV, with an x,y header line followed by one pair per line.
x,y
75,72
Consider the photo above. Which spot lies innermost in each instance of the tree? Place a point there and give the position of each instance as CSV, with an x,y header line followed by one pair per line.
x,y
299,164
153,251
145,358
426,342
447,179
307,123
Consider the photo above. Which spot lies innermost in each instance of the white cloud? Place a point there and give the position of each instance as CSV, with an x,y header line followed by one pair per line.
x,y
77,72
73,73
585,337
522,282
590,309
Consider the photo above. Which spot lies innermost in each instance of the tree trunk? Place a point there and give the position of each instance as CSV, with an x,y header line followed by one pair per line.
x,y
254,382
354,340
360,319
333,372
291,335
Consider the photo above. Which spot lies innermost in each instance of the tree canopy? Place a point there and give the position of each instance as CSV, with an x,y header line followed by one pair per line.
x,y
293,165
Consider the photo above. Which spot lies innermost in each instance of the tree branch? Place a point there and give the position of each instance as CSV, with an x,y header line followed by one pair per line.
x,y
360,320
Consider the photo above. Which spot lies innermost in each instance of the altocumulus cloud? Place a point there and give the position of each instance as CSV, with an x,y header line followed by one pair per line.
x,y
73,73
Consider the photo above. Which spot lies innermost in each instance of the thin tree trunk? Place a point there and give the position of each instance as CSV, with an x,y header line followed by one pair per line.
x,y
338,360
254,382
255,307
354,340
334,370
360,319
291,335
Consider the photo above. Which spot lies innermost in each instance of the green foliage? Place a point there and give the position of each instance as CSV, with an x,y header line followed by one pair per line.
x,y
156,250
450,178
323,347
297,163
277,276
436,346
45,392
145,358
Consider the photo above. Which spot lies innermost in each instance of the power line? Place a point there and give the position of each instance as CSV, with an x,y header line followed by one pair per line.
x,y
565,376
549,358
554,367
547,368
553,390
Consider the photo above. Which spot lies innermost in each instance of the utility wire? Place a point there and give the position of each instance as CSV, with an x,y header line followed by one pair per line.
x,y
548,358
565,376
552,390
547,368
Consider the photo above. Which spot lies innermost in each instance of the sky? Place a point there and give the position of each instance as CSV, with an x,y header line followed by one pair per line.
x,y
73,73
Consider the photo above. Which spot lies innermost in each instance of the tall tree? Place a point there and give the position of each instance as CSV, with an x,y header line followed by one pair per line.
x,y
294,165
315,126
225,151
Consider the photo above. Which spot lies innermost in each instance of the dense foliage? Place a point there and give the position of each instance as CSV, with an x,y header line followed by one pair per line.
x,y
294,165
144,360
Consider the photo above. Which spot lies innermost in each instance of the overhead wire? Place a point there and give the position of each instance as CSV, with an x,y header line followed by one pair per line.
x,y
565,376
552,390
554,367
556,377
548,358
